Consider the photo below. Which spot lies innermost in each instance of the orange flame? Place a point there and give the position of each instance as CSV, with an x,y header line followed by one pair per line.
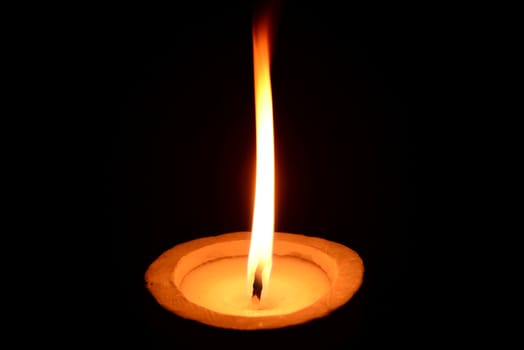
x,y
261,245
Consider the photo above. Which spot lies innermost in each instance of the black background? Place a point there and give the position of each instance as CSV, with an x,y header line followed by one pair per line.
x,y
174,97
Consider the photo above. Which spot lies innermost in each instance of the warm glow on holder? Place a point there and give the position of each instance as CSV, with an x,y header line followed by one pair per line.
x,y
261,245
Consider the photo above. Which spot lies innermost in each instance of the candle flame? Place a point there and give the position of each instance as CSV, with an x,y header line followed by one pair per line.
x,y
261,244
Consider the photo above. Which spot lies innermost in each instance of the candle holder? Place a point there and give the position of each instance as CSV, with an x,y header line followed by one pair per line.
x,y
205,280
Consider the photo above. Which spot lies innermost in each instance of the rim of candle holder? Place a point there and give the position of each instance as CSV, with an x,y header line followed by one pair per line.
x,y
342,265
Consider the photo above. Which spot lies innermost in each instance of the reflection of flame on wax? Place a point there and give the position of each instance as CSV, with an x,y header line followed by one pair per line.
x,y
261,245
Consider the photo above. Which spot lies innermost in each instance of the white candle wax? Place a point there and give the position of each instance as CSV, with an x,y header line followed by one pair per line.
x,y
220,286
